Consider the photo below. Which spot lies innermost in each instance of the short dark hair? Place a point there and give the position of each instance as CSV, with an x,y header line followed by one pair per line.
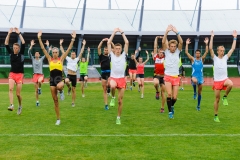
x,y
198,50
16,44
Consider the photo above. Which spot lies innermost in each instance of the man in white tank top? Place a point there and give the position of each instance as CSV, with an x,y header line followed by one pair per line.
x,y
221,81
172,50
118,66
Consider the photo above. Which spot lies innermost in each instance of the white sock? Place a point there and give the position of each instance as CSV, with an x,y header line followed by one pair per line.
x,y
118,117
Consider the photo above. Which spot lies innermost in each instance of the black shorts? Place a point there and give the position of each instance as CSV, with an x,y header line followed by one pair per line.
x,y
105,75
56,76
140,76
82,77
160,79
73,79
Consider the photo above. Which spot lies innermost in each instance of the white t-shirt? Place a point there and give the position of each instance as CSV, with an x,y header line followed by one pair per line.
x,y
118,65
171,63
72,64
220,68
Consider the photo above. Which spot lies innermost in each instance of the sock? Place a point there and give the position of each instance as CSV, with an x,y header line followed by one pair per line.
x,y
225,96
216,115
169,104
113,97
173,101
118,117
199,99
60,92
194,88
108,89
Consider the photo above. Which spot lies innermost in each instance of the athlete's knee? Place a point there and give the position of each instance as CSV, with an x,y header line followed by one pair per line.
x,y
169,95
10,89
18,94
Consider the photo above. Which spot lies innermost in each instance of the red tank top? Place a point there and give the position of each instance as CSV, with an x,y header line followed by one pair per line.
x,y
159,65
140,68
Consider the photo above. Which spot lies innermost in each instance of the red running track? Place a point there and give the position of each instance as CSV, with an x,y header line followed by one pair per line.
x,y
186,80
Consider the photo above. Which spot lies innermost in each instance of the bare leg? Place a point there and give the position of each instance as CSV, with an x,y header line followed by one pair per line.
x,y
36,90
163,89
120,101
216,102
11,87
104,86
18,93
229,85
55,100
73,94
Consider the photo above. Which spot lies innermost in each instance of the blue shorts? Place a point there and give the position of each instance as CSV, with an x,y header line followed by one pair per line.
x,y
200,80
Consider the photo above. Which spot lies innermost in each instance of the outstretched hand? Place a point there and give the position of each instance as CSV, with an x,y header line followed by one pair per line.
x,y
174,29
32,43
88,49
206,40
169,28
234,34
105,39
39,33
188,41
47,43
116,30
73,34
16,30
61,41
146,52
212,34
10,31
84,42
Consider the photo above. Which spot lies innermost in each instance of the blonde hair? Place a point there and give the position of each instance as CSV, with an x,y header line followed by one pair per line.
x,y
220,46
118,44
173,41
55,48
16,44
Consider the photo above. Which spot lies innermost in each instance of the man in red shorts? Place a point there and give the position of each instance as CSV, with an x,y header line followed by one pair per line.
x,y
221,81
117,74
37,65
16,71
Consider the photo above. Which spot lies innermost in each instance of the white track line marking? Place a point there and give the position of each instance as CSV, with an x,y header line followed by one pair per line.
x,y
120,135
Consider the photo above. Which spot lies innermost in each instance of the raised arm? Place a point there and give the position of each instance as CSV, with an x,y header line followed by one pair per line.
x,y
61,47
88,54
82,49
126,45
8,36
206,50
233,44
30,49
42,46
109,43
164,44
134,58
153,55
20,35
186,50
100,45
147,58
47,45
156,44
64,55
211,45
137,54
180,41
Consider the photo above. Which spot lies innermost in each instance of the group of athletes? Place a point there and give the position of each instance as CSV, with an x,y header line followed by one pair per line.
x,y
113,62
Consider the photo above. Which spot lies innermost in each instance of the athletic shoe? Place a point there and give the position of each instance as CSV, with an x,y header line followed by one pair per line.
x,y
106,107
19,110
170,115
131,88
216,119
141,95
112,103
133,84
225,102
138,89
37,104
109,94
194,96
69,91
181,89
39,91
58,122
83,95
162,110
73,104
62,97
157,96
118,121
172,109
11,108
198,108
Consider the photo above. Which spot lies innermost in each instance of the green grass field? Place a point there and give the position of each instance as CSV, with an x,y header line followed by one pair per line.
x,y
87,131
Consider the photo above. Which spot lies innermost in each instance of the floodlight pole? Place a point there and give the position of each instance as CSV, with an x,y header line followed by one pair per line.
x,y
23,13
44,3
237,4
198,25
109,4
81,27
173,5
140,26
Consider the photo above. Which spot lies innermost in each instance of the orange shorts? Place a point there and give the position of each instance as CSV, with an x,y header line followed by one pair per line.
x,y
36,76
121,82
17,77
132,71
219,85
173,80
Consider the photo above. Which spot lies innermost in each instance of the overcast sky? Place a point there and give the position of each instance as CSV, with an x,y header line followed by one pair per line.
x,y
132,4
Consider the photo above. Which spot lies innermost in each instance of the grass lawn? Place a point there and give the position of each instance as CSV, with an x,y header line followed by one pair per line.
x,y
87,131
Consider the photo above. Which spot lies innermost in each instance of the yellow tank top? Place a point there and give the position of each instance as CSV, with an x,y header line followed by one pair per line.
x,y
55,65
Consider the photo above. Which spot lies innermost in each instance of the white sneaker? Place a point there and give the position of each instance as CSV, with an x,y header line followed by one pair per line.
x,y
62,97
141,95
83,95
58,122
73,104
19,110
11,108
